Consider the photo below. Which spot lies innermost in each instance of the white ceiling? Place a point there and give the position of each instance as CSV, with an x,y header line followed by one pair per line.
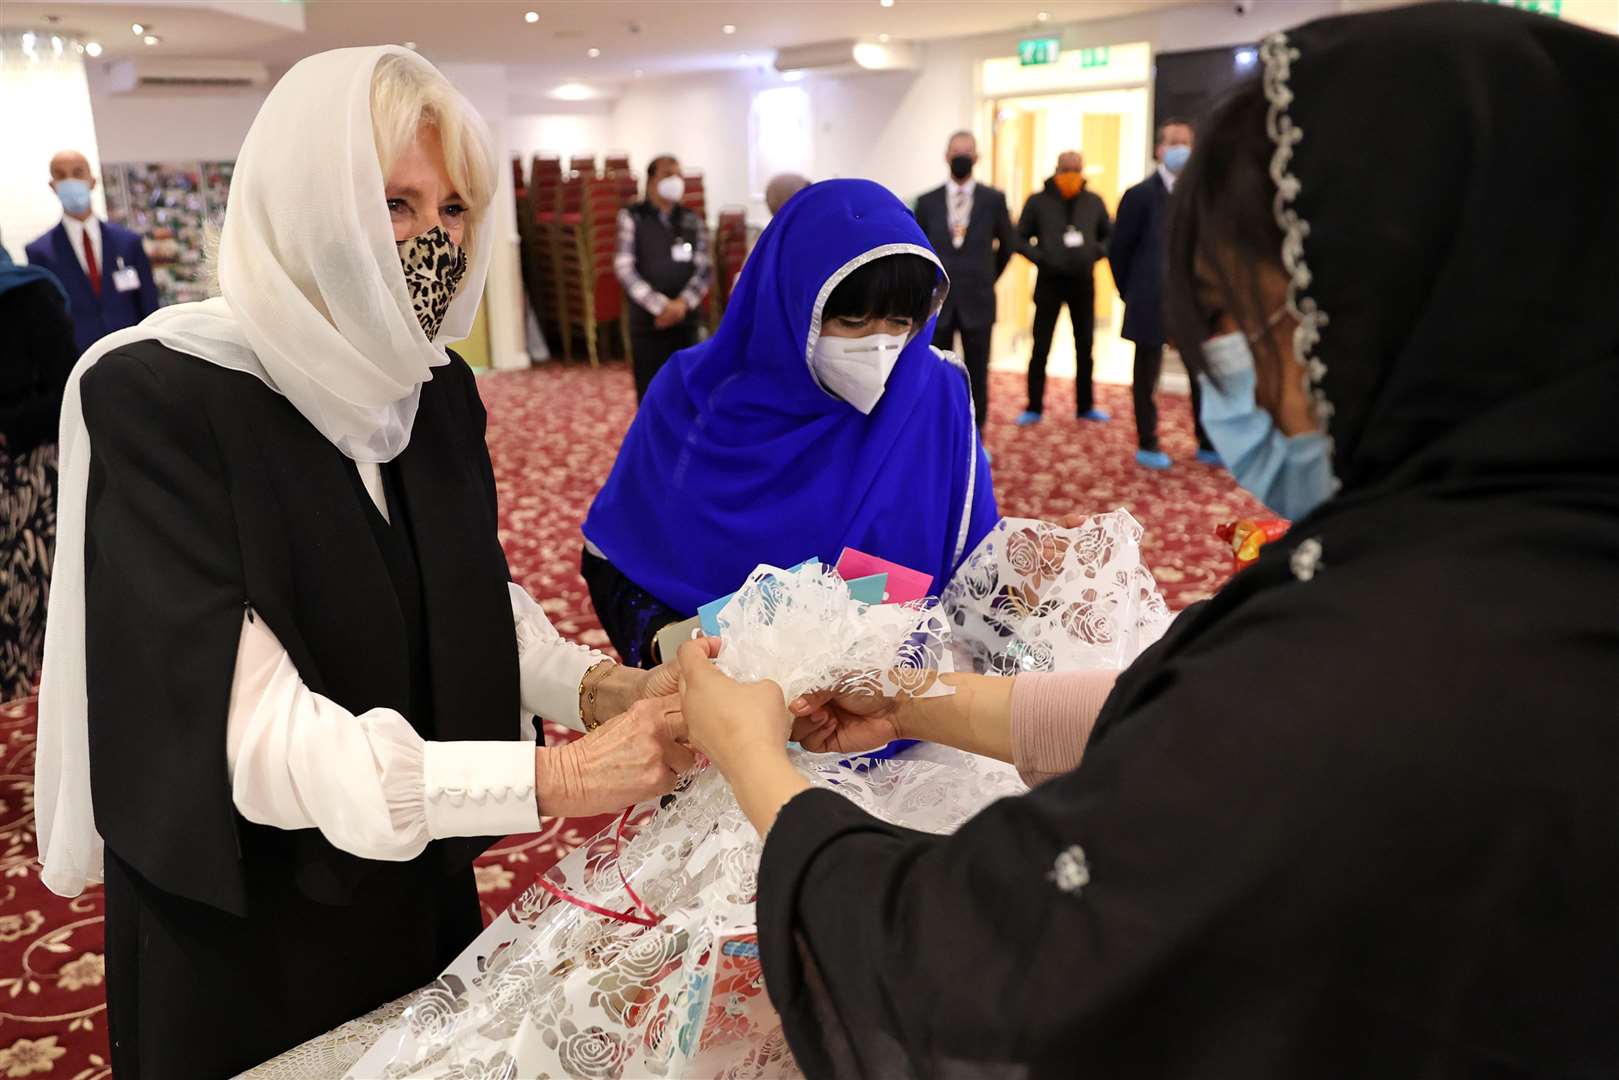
x,y
647,36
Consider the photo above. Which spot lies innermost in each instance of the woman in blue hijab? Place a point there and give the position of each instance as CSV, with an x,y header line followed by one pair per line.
x,y
817,418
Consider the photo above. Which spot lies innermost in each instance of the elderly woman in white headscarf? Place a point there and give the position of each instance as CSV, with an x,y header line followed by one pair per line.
x,y
287,677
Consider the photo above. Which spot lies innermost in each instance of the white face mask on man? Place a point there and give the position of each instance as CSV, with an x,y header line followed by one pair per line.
x,y
857,369
672,188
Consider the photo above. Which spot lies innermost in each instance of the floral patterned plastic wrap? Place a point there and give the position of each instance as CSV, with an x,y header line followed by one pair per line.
x,y
637,954
1034,596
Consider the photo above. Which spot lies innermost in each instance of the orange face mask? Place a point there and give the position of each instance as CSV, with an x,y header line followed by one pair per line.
x,y
1068,183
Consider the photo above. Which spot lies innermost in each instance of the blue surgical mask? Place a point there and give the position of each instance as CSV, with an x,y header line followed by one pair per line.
x,y
1291,475
75,196
1175,158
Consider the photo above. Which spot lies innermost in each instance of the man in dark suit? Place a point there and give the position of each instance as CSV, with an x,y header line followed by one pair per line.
x,y
1137,254
971,230
102,266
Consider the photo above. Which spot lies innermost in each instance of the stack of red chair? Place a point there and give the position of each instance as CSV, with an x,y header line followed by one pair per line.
x,y
617,167
539,244
585,164
696,200
587,242
730,248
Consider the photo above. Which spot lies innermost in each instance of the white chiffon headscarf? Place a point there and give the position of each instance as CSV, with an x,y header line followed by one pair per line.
x,y
314,304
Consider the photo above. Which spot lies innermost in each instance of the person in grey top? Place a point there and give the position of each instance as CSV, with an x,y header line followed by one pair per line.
x,y
666,267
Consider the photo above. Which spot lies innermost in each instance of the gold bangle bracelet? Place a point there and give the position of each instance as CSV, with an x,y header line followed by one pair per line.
x,y
588,686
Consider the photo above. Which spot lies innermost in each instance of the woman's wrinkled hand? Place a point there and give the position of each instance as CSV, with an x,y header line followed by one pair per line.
x,y
637,755
729,721
830,722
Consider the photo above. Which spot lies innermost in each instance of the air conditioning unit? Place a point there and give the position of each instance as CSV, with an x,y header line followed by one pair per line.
x,y
837,57
125,76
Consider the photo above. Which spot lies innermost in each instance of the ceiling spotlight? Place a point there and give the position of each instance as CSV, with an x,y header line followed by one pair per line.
x,y
593,53
531,16
1245,58
883,38
152,39
93,48
728,29
573,91
137,29
56,44
886,3
1044,16
793,75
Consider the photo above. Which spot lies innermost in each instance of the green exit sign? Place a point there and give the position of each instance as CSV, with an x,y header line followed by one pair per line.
x,y
1093,58
1031,51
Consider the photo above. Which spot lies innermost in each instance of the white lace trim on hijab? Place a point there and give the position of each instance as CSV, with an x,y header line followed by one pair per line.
x,y
1278,56
315,305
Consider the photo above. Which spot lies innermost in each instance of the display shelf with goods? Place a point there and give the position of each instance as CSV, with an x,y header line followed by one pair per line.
x,y
169,203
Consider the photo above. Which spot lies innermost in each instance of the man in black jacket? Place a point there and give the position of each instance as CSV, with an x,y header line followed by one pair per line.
x,y
971,230
1137,255
665,265
1069,227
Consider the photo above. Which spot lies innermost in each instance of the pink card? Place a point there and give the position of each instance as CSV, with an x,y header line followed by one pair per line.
x,y
904,584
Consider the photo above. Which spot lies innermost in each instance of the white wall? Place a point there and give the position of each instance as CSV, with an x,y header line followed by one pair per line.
x,y
46,103
193,125
562,133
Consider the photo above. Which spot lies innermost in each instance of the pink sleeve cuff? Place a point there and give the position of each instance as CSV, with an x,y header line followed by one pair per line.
x,y
1052,717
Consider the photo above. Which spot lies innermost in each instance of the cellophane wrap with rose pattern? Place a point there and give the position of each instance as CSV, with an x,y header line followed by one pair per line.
x,y
554,989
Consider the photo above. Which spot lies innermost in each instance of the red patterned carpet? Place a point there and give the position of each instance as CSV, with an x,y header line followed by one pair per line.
x,y
552,432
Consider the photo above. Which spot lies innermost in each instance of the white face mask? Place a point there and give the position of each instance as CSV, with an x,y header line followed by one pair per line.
x,y
672,188
857,369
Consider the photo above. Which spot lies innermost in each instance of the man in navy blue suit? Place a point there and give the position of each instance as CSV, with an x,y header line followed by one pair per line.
x,y
101,265
1137,253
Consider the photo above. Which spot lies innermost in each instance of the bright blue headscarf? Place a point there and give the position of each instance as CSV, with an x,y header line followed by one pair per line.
x,y
739,457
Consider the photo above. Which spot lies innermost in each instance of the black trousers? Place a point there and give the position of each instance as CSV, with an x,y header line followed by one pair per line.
x,y
1149,363
974,353
1050,294
651,348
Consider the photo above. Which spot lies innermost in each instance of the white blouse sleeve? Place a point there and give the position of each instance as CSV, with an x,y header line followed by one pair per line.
x,y
551,666
369,783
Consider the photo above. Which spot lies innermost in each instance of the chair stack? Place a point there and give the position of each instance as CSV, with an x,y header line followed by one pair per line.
x,y
695,199
617,166
593,301
730,248
539,219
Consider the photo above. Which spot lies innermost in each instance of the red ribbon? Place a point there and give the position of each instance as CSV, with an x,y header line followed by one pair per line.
x,y
650,918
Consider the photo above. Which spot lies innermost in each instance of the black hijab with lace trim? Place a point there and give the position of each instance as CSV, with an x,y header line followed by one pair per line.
x,y
1357,815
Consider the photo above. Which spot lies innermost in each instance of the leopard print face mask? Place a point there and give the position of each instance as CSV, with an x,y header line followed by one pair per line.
x,y
434,267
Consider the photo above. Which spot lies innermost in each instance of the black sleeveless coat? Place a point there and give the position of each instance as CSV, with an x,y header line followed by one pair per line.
x,y
209,495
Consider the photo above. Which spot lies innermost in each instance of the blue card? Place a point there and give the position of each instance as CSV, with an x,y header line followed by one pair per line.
x,y
869,590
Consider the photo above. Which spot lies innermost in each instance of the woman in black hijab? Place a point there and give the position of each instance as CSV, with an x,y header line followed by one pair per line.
x,y
1356,815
